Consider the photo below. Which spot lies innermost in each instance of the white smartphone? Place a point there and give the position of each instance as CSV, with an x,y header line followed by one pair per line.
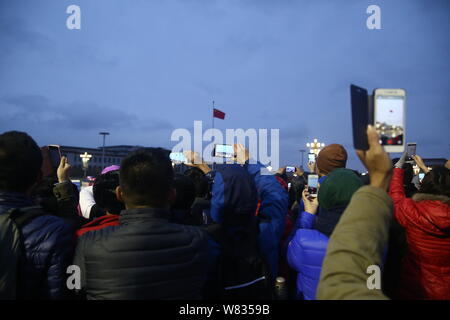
x,y
311,157
389,118
313,181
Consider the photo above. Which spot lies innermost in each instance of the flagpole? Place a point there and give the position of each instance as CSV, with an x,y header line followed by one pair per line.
x,y
213,116
213,164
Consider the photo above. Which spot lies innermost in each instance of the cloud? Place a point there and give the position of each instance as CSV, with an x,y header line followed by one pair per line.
x,y
37,110
17,35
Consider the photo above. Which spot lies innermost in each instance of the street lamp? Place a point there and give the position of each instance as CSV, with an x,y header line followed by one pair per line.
x,y
315,146
85,157
104,134
302,151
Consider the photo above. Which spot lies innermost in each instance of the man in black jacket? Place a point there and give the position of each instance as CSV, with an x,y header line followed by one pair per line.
x,y
47,239
146,256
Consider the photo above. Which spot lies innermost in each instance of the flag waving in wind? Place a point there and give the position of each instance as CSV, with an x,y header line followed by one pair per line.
x,y
218,114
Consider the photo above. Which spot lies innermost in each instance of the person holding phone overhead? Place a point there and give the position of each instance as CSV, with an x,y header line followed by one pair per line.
x,y
425,272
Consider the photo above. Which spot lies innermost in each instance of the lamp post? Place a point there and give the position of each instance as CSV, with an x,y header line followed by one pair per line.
x,y
302,151
85,157
104,134
315,146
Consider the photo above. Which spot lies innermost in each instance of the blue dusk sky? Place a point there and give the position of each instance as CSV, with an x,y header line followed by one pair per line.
x,y
140,69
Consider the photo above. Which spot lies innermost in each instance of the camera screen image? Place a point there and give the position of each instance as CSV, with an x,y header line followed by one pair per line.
x,y
177,157
411,150
224,150
389,119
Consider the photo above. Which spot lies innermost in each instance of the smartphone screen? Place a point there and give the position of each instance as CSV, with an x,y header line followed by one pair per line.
x,y
313,180
290,169
311,157
421,176
389,120
177,157
411,149
223,151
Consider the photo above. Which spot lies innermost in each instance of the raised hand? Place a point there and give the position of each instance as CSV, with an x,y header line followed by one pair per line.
x,y
63,170
420,163
376,160
311,203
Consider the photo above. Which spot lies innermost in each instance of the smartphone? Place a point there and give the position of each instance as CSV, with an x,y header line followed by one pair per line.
x,y
51,158
410,151
290,169
361,116
177,157
311,157
389,118
223,151
421,176
313,180
55,155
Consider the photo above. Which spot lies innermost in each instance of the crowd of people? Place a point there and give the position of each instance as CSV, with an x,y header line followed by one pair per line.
x,y
142,231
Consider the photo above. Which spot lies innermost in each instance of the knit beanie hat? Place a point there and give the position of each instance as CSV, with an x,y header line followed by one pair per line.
x,y
338,188
331,157
334,195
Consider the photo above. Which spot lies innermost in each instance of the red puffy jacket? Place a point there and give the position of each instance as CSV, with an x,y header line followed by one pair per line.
x,y
425,272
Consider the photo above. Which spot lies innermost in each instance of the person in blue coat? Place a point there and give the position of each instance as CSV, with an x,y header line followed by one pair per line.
x,y
47,240
307,249
273,200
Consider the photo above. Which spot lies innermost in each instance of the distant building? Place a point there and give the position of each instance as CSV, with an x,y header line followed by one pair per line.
x,y
431,162
113,155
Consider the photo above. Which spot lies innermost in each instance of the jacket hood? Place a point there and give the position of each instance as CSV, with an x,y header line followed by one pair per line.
x,y
435,209
425,196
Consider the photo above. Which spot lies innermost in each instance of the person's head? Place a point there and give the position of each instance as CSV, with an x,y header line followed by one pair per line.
x,y
20,161
331,157
334,195
200,181
436,182
409,173
104,190
295,192
146,179
185,192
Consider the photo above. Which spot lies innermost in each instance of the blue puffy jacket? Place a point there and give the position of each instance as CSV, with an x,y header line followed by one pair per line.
x,y
272,211
306,252
49,249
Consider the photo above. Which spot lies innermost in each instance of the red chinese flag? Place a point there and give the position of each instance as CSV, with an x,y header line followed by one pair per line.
x,y
218,114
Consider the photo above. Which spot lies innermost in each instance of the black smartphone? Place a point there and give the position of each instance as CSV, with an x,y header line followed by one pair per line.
x,y
51,157
290,169
410,151
361,116
55,156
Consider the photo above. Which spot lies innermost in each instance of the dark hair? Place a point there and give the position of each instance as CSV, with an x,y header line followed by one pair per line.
x,y
409,173
200,181
437,182
146,176
105,192
295,192
185,192
20,161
